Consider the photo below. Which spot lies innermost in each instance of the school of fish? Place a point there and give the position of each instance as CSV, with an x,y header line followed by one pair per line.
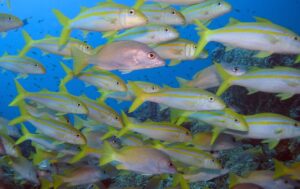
x,y
79,141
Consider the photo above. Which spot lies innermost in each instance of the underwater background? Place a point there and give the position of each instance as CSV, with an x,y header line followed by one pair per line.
x,y
41,21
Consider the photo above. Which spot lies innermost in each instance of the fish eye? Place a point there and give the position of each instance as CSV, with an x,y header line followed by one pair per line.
x,y
195,47
187,133
173,12
36,65
211,99
78,135
117,118
153,88
87,47
286,181
296,38
296,125
212,152
78,105
236,120
151,55
219,4
118,82
131,12
166,29
171,164
9,18
235,69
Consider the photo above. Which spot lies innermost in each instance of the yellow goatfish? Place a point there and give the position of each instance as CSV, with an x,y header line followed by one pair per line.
x,y
263,36
105,17
292,171
157,130
179,98
140,159
49,44
59,101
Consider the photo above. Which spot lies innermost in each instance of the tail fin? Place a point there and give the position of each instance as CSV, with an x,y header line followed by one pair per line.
x,y
138,4
109,154
140,96
21,94
28,43
203,33
182,82
45,184
65,22
57,181
280,169
179,179
67,78
23,117
233,180
297,59
85,150
127,125
80,60
26,135
183,117
226,77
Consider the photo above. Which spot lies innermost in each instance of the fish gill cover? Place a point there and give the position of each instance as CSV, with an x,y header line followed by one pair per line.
x,y
150,94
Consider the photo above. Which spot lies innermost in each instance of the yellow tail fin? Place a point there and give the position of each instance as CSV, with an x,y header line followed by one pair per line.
x,y
140,96
108,154
21,94
65,22
280,169
28,43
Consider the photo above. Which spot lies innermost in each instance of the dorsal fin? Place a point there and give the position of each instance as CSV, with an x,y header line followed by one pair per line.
x,y
233,21
263,20
82,9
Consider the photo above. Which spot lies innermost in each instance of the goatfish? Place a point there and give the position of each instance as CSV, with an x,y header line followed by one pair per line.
x,y
270,127
158,14
79,176
189,156
175,2
102,113
10,131
41,141
59,101
263,179
49,44
149,34
221,120
178,50
156,130
24,168
263,36
197,175
9,147
140,159
282,80
105,81
129,95
178,98
38,110
202,141
209,77
205,11
9,22
22,65
292,171
106,17
52,128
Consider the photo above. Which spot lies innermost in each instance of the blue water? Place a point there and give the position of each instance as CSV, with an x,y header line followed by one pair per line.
x,y
41,21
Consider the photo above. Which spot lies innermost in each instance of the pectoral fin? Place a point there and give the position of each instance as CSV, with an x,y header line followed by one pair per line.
x,y
284,96
174,62
216,132
272,143
262,54
251,91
